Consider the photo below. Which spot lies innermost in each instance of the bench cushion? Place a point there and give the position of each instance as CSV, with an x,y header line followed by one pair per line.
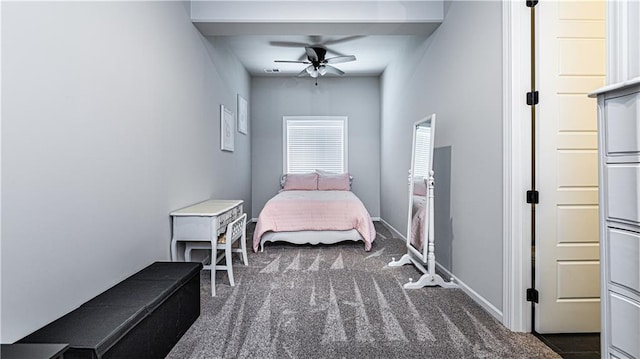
x,y
149,287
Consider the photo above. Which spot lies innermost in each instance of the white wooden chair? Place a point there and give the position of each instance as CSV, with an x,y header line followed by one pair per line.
x,y
222,249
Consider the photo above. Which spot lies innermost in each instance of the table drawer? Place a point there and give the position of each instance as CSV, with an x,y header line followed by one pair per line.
x,y
624,322
622,129
191,228
624,195
227,217
623,252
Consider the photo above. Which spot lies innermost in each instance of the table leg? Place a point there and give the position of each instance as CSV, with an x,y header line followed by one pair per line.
x,y
174,250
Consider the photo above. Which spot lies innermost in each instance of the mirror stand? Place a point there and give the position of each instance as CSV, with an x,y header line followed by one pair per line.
x,y
429,278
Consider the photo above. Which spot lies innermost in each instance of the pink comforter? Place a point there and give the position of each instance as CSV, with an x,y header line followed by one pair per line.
x,y
315,211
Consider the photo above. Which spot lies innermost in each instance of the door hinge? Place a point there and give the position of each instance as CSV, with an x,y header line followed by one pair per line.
x,y
532,3
533,197
532,295
532,98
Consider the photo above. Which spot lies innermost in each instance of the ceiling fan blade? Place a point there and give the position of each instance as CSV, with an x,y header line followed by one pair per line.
x,y
333,70
311,54
344,39
336,53
340,59
293,61
288,44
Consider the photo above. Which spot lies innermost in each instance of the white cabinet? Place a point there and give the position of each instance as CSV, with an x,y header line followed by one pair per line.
x,y
619,164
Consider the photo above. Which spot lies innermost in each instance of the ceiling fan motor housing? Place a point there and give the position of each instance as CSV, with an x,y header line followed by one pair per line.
x,y
319,55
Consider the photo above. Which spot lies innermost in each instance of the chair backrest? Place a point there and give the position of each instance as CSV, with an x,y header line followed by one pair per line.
x,y
236,229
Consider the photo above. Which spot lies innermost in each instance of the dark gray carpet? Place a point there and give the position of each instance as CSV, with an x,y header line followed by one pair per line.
x,y
339,301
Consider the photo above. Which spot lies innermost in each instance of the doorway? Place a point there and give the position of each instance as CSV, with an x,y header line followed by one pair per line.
x,y
571,63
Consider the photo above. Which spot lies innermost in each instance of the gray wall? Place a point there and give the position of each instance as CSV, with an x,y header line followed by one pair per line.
x,y
110,120
457,74
357,98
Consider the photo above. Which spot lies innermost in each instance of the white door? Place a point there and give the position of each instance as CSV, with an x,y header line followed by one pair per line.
x,y
571,59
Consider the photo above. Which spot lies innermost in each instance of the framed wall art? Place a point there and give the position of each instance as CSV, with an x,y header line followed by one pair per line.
x,y
243,116
227,129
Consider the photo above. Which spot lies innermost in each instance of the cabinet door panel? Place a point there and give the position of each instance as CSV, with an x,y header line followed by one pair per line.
x,y
621,123
624,195
625,324
624,253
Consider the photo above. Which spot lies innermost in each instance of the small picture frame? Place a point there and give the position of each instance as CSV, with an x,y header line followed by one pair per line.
x,y
243,116
227,129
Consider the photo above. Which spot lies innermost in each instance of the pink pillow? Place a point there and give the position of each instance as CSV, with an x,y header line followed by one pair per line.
x,y
301,181
334,182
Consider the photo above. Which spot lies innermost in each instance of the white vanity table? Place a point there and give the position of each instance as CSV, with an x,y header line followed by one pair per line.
x,y
202,222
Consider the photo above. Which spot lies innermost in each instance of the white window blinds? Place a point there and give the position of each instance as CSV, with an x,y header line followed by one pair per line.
x,y
315,143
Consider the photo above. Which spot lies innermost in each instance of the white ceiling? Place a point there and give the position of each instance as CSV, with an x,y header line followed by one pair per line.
x,y
257,53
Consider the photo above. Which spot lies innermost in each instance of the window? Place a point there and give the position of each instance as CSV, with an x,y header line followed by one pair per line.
x,y
315,143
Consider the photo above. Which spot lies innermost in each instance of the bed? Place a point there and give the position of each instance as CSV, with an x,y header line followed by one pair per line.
x,y
314,208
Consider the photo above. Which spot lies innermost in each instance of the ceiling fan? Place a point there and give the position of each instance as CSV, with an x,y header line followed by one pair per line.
x,y
319,65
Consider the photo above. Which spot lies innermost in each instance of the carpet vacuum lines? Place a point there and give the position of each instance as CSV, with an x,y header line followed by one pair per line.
x,y
338,301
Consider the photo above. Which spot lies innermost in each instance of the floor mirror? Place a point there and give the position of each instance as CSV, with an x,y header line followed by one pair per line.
x,y
420,241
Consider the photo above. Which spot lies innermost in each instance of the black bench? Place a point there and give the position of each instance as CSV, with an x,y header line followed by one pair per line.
x,y
143,316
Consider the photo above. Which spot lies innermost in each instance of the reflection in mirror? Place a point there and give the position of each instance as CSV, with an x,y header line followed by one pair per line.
x,y
420,231
422,150
421,169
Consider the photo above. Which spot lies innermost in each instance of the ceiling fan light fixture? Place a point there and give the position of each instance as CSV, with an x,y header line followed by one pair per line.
x,y
322,70
312,71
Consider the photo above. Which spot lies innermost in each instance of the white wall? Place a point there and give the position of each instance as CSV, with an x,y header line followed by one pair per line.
x,y
457,74
358,98
110,120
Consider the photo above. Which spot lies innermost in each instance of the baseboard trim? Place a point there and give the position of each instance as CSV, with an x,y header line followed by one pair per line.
x,y
485,304
390,227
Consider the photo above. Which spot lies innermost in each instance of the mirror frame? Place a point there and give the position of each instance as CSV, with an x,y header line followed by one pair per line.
x,y
428,218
